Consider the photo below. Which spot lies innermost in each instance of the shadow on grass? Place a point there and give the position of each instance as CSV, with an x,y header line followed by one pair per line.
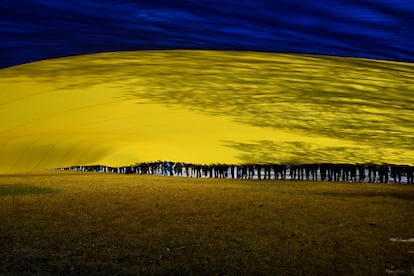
x,y
19,190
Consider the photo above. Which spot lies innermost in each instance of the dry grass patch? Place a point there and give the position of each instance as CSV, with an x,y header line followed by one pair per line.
x,y
128,224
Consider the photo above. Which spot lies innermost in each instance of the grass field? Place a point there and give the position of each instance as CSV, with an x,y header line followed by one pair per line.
x,y
81,223
203,107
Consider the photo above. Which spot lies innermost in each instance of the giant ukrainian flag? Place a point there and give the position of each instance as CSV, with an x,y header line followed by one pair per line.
x,y
260,81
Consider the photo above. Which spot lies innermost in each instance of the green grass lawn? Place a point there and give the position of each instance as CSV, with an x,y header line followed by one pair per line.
x,y
15,190
129,224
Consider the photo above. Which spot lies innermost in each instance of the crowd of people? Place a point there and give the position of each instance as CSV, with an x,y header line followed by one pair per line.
x,y
371,173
